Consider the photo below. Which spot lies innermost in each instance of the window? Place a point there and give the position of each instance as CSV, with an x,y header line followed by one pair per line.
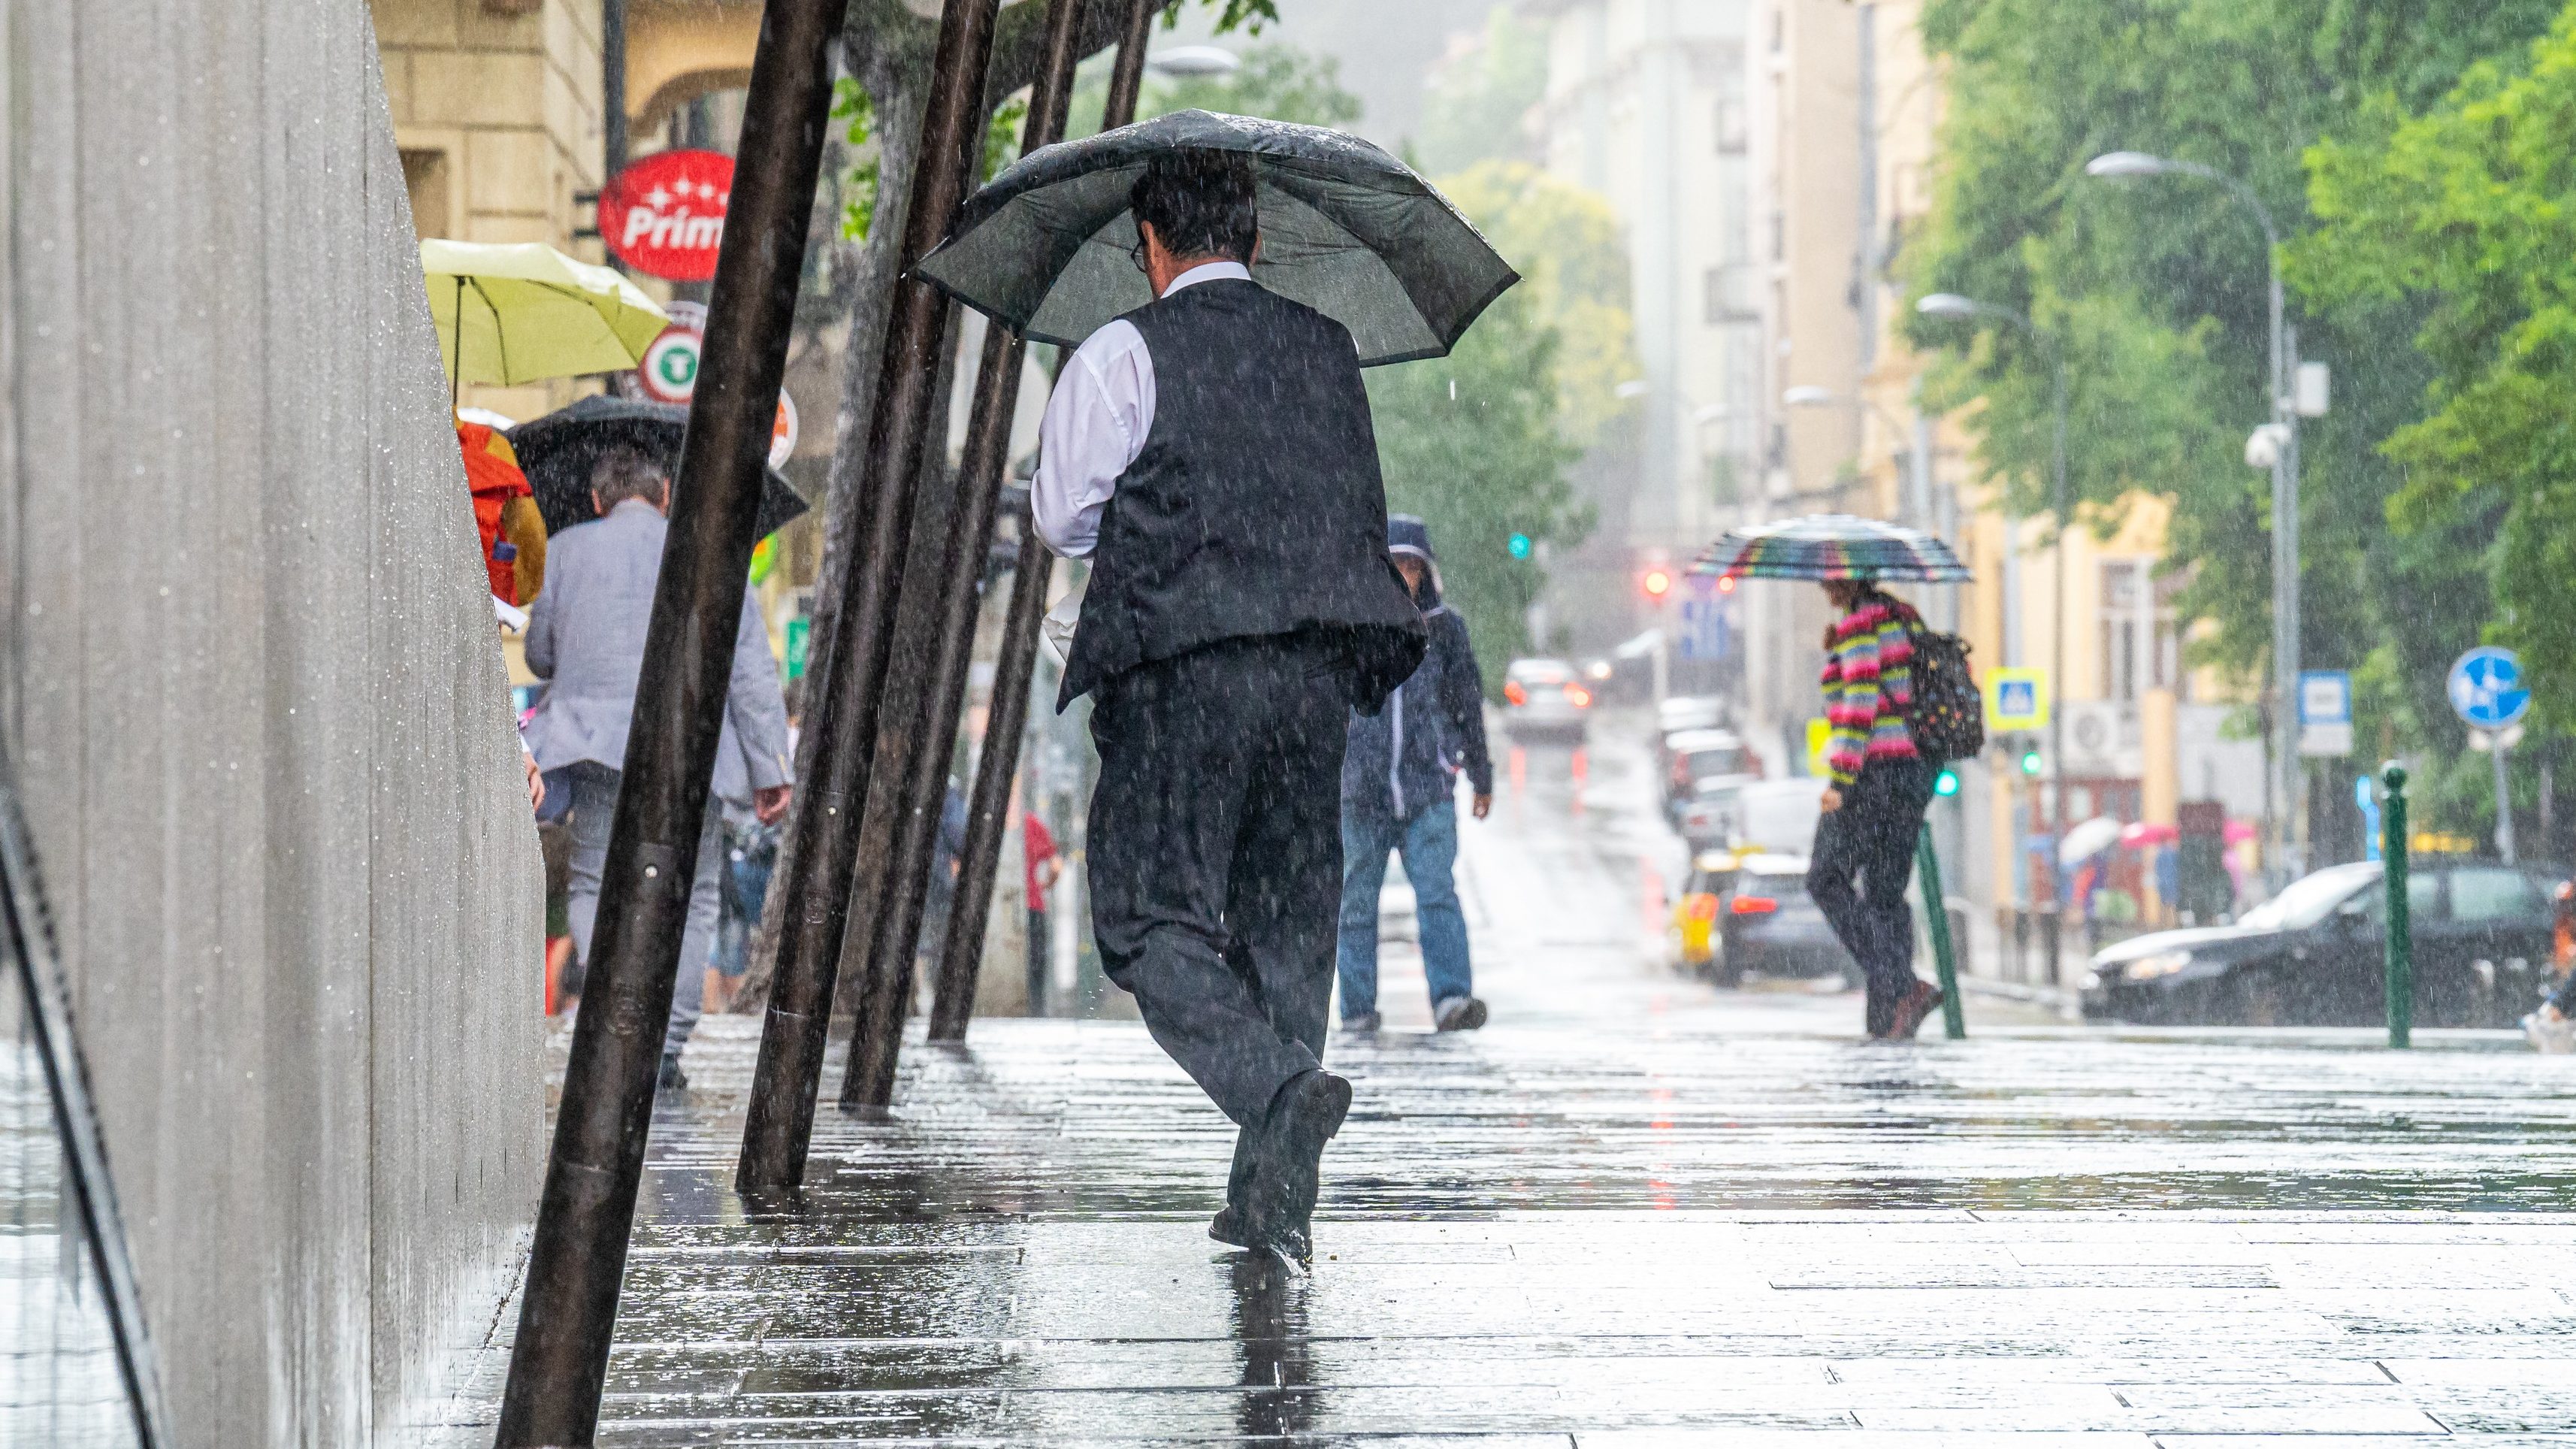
x,y
1731,118
1730,294
2496,894
2140,645
425,178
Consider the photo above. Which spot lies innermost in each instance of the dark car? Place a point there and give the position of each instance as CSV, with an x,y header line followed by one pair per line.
x,y
2315,955
1751,913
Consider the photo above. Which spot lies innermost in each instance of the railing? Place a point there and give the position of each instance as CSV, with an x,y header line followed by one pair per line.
x,y
75,1368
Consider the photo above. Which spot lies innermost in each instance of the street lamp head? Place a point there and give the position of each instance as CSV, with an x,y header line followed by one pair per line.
x,y
1807,396
1948,304
2127,163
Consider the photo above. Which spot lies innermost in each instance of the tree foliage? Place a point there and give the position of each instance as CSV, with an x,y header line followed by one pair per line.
x,y
2155,289
1480,99
2469,210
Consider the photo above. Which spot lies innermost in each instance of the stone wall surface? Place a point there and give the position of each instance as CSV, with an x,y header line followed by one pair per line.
x,y
252,682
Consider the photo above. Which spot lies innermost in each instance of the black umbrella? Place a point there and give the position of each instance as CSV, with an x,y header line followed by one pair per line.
x,y
558,451
1345,228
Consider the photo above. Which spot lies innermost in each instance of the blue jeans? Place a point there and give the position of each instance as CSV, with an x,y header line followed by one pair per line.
x,y
1429,843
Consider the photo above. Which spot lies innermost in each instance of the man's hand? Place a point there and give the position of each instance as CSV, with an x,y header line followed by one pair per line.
x,y
536,782
1830,801
767,805
1484,806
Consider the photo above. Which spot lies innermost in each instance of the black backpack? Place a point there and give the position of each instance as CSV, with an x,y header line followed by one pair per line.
x,y
1948,716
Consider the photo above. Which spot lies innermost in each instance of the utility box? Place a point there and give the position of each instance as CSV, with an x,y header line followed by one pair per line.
x,y
2204,892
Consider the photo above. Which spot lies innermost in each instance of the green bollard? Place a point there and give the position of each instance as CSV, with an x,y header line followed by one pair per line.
x,y
2401,946
1945,957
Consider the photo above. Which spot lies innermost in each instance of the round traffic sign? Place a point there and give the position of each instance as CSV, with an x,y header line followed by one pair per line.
x,y
2486,688
782,431
669,369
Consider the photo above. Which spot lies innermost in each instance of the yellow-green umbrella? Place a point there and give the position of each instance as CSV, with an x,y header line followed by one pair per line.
x,y
514,312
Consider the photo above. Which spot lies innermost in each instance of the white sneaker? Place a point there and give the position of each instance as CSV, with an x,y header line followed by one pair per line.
x,y
2551,1033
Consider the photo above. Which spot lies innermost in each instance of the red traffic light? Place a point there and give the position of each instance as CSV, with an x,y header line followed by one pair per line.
x,y
1658,583
1726,583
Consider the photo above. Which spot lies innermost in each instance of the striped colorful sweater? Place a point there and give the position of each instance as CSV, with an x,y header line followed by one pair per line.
x,y
1869,684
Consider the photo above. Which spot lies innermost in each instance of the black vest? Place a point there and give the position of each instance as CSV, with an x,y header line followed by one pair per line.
x,y
1255,507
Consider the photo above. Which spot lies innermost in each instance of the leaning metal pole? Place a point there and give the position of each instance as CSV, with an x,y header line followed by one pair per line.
x,y
780,1118
961,957
568,1305
949,602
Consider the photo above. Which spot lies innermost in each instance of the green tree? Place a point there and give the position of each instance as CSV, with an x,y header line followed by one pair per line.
x,y
2155,291
1480,100
2463,216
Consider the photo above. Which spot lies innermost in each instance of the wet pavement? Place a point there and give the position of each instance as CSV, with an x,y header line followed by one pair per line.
x,y
1634,1210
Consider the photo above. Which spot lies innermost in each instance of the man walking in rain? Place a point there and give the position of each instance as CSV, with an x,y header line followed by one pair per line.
x,y
586,639
1399,793
1212,454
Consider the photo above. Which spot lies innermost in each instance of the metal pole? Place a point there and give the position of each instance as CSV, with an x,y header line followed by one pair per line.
x,y
1945,960
2057,674
988,806
2504,798
918,742
2285,597
2401,945
780,1116
1127,73
568,1305
612,88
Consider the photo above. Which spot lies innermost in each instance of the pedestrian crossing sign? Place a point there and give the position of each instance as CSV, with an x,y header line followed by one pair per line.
x,y
2016,699
1820,738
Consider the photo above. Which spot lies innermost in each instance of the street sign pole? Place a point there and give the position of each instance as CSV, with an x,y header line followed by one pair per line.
x,y
2401,945
2504,800
1945,953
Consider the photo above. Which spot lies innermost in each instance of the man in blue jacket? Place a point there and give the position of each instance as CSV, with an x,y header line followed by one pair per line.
x,y
1399,791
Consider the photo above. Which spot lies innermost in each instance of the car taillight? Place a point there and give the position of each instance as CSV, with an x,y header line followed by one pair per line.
x,y
1579,696
1753,905
1513,692
1703,908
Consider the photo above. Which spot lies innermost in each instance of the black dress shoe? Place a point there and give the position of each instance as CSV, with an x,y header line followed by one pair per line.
x,y
672,1078
1288,1161
1228,1227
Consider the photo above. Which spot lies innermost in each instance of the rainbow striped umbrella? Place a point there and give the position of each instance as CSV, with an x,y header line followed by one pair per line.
x,y
1832,546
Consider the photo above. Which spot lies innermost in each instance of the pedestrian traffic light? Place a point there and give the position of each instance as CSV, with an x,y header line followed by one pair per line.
x,y
1658,583
1520,545
1946,783
2030,759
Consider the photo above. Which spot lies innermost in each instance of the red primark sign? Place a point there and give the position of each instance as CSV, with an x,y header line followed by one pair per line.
x,y
664,214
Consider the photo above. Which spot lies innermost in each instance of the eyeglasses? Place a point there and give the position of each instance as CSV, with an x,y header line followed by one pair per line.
x,y
1136,254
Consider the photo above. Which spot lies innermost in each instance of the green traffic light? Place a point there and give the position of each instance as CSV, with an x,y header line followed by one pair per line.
x,y
1520,545
1946,784
2030,762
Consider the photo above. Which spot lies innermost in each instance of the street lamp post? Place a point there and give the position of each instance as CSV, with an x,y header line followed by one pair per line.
x,y
1951,304
2286,782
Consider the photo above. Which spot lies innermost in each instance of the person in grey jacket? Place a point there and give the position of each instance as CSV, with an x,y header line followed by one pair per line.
x,y
1399,789
586,638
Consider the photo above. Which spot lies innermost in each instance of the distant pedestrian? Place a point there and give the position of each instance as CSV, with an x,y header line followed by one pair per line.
x,y
751,854
1212,454
1874,804
1399,794
586,638
1038,857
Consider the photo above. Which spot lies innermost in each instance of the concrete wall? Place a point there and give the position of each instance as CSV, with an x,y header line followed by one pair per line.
x,y
253,685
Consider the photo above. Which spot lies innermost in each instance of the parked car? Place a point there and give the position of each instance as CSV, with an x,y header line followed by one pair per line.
x,y
1712,816
1542,698
1745,913
1692,757
1779,815
2483,933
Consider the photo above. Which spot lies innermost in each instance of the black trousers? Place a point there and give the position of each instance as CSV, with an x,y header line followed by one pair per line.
x,y
1864,854
1215,855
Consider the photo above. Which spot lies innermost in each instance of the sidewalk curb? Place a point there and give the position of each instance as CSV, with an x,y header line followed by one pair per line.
x,y
2068,1002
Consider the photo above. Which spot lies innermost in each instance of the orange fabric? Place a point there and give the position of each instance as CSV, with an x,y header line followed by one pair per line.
x,y
492,475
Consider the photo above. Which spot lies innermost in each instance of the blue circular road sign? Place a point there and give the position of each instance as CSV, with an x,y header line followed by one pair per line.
x,y
2487,690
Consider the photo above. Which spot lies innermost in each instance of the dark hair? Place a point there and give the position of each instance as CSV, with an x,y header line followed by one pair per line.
x,y
624,472
1200,202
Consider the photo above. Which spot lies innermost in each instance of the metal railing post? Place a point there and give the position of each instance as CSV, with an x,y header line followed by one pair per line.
x,y
568,1305
941,604
988,807
2401,945
779,1122
1945,957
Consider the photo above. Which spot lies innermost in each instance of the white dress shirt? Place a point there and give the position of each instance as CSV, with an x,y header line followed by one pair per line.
x,y
1096,422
